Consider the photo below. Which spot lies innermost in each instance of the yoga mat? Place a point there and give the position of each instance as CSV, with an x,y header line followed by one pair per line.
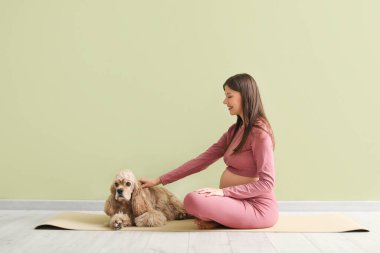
x,y
319,223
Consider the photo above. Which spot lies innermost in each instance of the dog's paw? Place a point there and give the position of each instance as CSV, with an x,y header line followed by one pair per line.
x,y
116,223
120,220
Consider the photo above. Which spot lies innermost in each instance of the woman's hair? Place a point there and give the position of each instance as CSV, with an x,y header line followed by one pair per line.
x,y
253,110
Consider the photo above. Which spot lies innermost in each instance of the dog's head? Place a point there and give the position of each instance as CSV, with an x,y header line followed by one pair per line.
x,y
124,185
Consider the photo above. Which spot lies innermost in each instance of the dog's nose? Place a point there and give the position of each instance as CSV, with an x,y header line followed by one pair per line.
x,y
120,191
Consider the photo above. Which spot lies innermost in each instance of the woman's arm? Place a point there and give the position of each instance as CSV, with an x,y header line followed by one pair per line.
x,y
263,156
199,163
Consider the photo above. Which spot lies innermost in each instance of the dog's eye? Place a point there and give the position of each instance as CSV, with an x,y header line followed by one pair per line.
x,y
128,183
116,184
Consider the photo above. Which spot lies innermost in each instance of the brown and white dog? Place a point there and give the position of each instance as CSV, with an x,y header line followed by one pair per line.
x,y
131,205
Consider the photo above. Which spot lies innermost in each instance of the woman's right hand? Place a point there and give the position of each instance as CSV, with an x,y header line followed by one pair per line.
x,y
145,182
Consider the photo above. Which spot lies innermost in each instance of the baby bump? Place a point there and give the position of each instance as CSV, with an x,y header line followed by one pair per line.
x,y
230,179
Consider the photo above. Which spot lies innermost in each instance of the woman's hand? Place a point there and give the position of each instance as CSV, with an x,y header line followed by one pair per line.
x,y
210,192
145,182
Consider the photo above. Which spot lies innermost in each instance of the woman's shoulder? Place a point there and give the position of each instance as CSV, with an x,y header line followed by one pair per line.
x,y
231,128
259,133
261,129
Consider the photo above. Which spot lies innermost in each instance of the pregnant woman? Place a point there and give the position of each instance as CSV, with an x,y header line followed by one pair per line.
x,y
245,197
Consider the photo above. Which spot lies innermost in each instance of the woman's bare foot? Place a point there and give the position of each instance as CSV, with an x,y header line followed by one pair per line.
x,y
202,224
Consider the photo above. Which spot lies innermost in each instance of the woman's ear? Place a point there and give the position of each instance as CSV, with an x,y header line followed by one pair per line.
x,y
140,204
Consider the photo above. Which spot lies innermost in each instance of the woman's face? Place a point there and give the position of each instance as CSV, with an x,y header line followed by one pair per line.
x,y
233,101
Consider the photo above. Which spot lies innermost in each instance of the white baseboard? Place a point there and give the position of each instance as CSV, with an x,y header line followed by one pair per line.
x,y
78,205
329,206
285,206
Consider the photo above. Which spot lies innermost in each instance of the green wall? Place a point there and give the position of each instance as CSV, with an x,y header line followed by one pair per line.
x,y
90,87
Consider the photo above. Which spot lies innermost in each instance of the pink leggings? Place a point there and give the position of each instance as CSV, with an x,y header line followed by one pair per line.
x,y
258,212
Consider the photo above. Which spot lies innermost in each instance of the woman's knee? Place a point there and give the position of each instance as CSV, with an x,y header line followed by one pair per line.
x,y
191,202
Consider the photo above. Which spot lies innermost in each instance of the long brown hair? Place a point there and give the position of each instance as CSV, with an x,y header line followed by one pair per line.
x,y
253,110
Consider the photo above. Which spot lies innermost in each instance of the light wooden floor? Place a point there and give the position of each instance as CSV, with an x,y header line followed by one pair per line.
x,y
17,235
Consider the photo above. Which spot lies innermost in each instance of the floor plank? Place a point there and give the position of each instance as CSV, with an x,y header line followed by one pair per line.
x,y
367,242
209,242
17,234
159,242
332,242
250,242
292,243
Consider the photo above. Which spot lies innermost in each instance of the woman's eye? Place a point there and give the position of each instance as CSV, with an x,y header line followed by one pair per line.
x,y
128,183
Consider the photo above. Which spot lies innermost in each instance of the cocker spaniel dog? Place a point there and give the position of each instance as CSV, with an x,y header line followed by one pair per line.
x,y
129,204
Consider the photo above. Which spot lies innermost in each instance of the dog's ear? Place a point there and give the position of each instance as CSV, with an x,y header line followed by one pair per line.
x,y
110,207
140,204
113,189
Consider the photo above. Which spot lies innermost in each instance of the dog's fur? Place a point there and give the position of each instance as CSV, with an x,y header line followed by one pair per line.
x,y
131,205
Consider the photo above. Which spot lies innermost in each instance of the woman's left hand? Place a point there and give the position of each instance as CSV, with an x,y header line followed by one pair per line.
x,y
210,192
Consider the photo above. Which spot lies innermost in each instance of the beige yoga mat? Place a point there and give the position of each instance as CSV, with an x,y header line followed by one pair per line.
x,y
329,222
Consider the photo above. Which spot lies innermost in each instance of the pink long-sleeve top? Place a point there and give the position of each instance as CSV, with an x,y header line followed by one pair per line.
x,y
255,159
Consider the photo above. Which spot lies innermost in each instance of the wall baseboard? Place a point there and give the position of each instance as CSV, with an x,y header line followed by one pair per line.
x,y
329,206
285,206
69,205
